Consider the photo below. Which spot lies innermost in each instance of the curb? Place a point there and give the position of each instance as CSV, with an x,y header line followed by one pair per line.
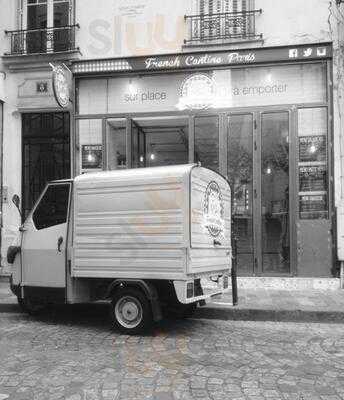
x,y
237,314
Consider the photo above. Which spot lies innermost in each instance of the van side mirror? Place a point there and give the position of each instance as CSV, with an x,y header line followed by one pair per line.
x,y
16,202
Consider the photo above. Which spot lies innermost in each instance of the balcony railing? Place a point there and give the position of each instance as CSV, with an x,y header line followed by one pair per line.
x,y
41,41
222,27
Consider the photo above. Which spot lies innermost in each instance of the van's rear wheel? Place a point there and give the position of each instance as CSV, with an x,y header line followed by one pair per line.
x,y
131,311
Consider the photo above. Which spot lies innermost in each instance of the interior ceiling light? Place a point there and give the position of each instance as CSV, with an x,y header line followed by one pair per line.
x,y
312,149
90,157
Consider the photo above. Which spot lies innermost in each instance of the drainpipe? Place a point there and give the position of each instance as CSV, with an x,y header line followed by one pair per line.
x,y
338,19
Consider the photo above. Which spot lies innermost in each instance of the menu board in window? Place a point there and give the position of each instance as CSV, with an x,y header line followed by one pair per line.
x,y
313,206
91,156
312,148
313,178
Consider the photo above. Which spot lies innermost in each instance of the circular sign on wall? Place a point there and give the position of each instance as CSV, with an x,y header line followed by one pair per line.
x,y
196,92
213,210
61,85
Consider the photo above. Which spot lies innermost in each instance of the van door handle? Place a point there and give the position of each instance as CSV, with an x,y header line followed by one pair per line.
x,y
59,242
217,243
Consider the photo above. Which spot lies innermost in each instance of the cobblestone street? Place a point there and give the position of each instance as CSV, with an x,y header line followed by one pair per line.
x,y
73,355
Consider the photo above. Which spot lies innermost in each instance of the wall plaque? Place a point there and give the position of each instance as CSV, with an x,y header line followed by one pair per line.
x,y
41,87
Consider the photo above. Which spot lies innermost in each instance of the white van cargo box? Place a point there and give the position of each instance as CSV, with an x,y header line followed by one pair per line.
x,y
157,223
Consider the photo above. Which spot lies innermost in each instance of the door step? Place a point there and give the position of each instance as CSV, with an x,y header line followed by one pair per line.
x,y
288,283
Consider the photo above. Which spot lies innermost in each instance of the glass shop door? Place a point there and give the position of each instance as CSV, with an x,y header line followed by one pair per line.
x,y
258,170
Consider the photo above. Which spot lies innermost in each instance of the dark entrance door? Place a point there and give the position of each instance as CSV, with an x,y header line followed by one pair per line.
x,y
258,170
46,153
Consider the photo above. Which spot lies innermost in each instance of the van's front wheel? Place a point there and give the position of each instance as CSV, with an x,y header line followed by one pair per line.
x,y
131,311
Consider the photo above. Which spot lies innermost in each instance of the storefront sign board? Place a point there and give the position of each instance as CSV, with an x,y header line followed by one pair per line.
x,y
206,60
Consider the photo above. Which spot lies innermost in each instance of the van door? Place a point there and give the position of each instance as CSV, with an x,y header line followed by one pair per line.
x,y
44,239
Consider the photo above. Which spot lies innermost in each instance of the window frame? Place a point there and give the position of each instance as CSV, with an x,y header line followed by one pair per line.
x,y
50,12
34,209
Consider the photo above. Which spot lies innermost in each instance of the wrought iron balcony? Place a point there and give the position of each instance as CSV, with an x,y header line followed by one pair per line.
x,y
221,27
42,41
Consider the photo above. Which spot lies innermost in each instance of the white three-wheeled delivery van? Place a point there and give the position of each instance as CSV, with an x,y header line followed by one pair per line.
x,y
146,239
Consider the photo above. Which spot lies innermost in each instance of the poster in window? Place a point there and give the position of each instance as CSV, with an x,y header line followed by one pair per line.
x,y
91,157
313,206
312,148
313,178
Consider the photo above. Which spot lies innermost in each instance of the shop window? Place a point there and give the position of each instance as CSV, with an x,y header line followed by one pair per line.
x,y
275,232
116,144
240,175
92,96
160,141
53,207
89,149
207,141
313,163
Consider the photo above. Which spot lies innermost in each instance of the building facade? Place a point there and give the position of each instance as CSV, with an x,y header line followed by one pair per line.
x,y
247,88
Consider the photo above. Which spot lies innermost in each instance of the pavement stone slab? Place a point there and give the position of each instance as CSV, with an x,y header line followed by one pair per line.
x,y
74,356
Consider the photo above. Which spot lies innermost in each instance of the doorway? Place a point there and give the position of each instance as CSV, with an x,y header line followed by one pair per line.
x,y
258,168
160,141
46,153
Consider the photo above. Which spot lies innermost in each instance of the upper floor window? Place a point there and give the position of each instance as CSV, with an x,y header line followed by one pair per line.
x,y
46,27
222,6
221,21
42,14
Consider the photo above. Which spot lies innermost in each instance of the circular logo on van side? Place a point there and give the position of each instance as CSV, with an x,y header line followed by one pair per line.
x,y
213,210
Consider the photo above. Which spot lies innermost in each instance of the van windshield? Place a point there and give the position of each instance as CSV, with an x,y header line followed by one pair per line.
x,y
53,207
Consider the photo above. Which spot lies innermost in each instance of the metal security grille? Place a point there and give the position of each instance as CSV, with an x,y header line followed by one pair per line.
x,y
46,153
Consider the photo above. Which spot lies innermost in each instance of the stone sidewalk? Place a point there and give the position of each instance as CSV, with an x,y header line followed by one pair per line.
x,y
307,305
254,305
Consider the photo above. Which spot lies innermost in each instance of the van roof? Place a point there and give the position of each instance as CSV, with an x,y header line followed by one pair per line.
x,y
137,172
